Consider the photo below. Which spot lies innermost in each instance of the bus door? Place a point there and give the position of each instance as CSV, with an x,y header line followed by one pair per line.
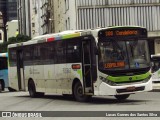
x,y
87,66
20,70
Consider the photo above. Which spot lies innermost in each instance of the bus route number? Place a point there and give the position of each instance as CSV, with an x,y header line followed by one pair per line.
x,y
109,33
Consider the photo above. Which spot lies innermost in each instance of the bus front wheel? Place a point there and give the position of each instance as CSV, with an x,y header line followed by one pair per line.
x,y
78,93
122,97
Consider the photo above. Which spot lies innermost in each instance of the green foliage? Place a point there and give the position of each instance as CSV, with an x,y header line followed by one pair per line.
x,y
11,40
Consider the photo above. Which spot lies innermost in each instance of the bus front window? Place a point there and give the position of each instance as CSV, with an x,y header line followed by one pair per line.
x,y
113,55
138,54
123,54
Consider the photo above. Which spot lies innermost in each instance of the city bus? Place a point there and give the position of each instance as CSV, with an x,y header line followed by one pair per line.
x,y
155,69
83,63
3,71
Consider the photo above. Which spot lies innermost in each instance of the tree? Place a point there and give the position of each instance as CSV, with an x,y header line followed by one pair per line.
x,y
19,38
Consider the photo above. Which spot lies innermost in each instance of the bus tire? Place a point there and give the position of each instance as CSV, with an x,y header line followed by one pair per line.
x,y
39,94
32,89
78,93
1,86
11,89
122,97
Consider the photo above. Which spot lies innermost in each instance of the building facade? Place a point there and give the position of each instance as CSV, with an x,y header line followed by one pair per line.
x,y
12,28
24,17
33,16
9,12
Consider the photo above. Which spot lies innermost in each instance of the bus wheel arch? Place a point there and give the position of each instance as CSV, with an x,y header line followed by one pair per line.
x,y
73,84
2,84
77,91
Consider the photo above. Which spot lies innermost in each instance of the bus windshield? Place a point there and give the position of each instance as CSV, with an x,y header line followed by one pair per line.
x,y
155,62
123,54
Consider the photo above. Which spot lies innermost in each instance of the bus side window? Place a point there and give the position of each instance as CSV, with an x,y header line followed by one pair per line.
x,y
48,53
36,53
60,51
73,51
28,56
44,52
13,57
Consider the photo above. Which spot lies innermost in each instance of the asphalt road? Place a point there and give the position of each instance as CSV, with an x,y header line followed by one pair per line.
x,y
20,101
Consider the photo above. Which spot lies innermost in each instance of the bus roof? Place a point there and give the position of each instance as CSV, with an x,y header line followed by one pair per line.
x,y
3,54
65,35
55,36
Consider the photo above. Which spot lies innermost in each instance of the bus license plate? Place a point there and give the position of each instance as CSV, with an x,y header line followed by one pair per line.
x,y
131,88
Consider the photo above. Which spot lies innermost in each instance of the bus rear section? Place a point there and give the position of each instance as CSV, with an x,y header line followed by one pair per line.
x,y
63,63
3,71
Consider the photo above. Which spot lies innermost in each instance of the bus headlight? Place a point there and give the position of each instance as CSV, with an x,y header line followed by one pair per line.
x,y
107,81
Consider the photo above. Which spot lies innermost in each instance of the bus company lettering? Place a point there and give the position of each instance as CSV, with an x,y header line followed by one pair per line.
x,y
114,65
27,114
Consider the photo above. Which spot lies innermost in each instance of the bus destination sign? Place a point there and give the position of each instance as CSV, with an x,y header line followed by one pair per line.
x,y
123,32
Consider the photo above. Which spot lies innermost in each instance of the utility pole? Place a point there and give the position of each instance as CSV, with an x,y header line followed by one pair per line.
x,y
50,16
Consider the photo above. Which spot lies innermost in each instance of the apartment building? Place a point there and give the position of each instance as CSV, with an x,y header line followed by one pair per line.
x,y
24,17
33,17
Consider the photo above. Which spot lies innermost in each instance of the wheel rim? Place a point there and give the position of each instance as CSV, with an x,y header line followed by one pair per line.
x,y
31,89
79,91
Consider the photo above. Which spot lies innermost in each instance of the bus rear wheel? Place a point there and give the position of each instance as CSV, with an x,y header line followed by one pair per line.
x,y
122,97
78,93
32,89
